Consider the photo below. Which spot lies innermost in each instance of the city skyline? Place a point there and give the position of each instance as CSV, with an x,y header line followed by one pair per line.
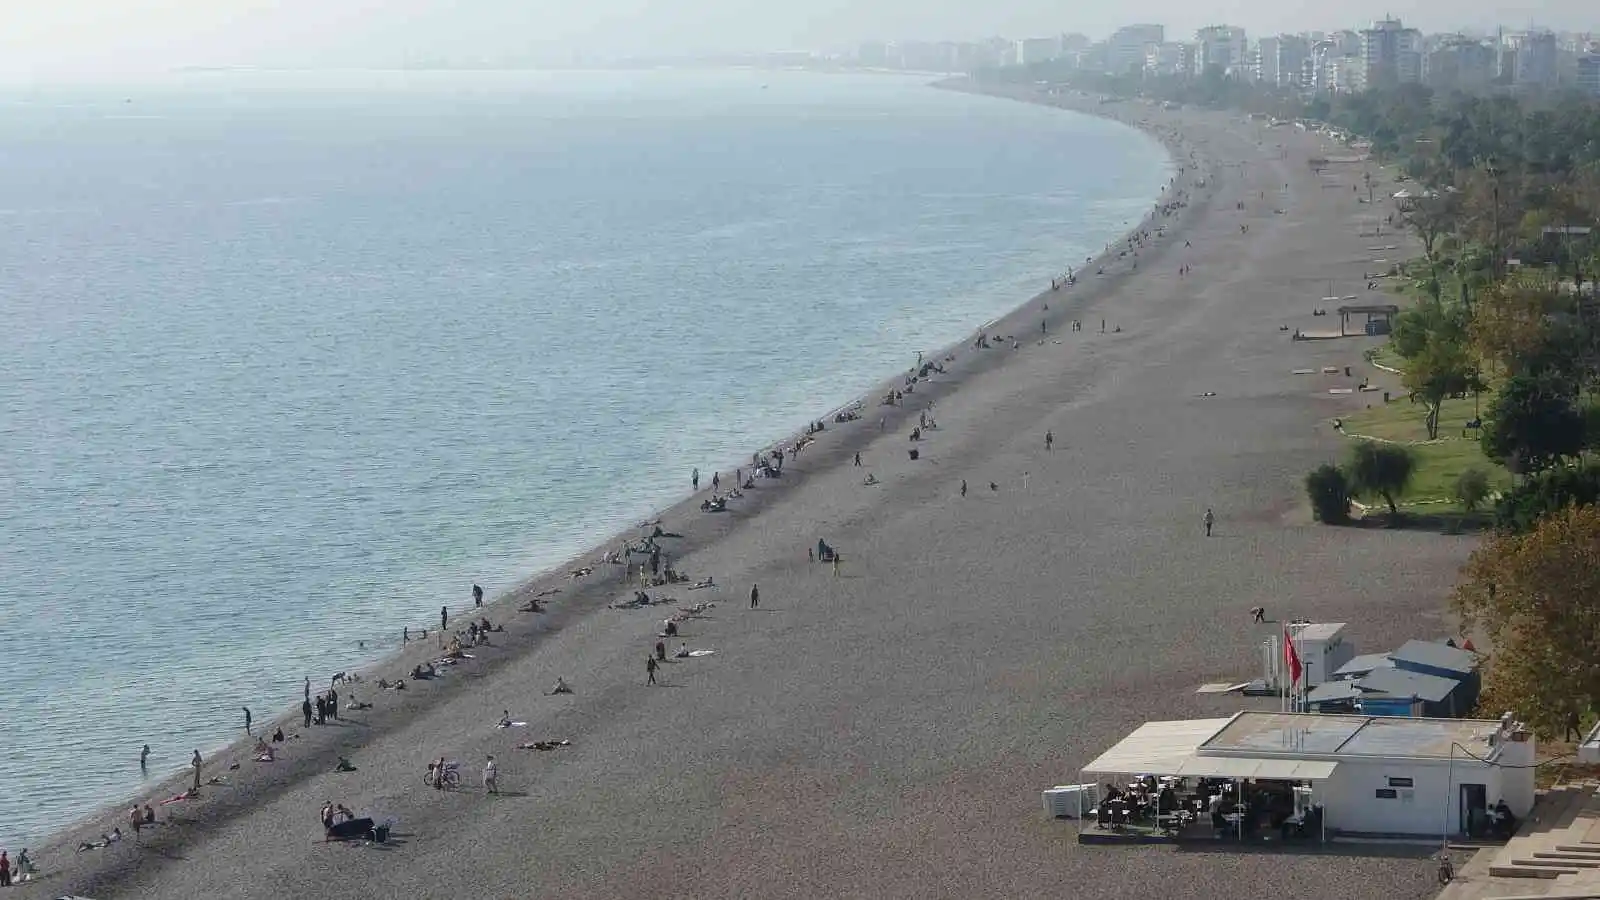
x,y
77,38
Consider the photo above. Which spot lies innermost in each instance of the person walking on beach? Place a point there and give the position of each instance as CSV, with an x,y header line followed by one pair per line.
x,y
308,687
716,481
305,709
144,759
1210,519
755,596
477,596
247,720
694,479
196,763
444,618
836,564
5,869
322,709
333,703
650,670
963,487
1049,441
491,776
858,459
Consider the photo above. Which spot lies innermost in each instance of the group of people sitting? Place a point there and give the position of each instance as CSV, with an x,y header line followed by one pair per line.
x,y
1171,804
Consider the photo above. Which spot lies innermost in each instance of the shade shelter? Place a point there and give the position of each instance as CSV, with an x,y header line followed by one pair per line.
x,y
1166,755
1384,313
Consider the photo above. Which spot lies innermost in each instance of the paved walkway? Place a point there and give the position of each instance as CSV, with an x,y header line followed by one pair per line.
x,y
1555,855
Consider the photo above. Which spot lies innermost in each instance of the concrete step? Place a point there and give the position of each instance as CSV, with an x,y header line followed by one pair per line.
x,y
1575,855
1514,871
1542,859
1590,849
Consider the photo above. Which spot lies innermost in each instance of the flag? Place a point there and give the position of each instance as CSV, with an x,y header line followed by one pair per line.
x,y
1291,658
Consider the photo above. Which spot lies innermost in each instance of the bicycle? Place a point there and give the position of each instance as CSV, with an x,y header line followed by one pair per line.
x,y
450,774
1447,871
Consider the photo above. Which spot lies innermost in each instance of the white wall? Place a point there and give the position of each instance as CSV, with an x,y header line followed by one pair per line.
x,y
1431,806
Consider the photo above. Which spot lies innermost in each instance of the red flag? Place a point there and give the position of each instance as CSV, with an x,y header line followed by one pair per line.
x,y
1291,658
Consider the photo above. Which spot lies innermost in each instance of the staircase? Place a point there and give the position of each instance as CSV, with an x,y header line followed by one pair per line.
x,y
1554,856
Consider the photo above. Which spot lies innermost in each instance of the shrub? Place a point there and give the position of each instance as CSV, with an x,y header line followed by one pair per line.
x,y
1471,488
1521,508
1329,491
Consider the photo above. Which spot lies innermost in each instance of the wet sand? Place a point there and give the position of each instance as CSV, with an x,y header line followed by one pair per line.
x,y
887,731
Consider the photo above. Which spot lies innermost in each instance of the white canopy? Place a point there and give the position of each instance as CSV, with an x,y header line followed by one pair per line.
x,y
1156,748
1245,767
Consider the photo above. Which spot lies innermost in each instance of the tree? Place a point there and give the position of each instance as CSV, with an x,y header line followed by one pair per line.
x,y
1533,596
1382,470
1524,506
1441,370
1329,492
1431,215
1533,424
1471,489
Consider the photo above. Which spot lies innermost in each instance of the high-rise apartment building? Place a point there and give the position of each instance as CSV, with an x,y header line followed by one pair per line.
x,y
1279,61
1459,63
1125,50
1390,54
1220,47
1037,50
1536,60
1589,73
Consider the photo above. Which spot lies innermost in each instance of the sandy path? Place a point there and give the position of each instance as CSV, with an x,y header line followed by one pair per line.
x,y
887,731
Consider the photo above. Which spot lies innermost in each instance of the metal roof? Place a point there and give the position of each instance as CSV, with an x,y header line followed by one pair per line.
x,y
1156,748
1401,683
1363,664
1436,656
1255,768
1330,691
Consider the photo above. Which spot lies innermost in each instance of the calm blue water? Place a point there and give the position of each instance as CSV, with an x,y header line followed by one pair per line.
x,y
291,360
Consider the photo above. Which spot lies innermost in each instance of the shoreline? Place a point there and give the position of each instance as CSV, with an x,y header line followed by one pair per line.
x,y
577,601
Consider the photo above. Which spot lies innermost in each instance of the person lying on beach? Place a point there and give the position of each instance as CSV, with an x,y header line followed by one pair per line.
x,y
264,752
344,765
870,479
505,719
543,745
560,688
705,583
683,652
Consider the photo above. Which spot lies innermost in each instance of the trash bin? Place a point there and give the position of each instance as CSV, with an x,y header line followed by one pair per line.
x,y
1386,396
381,834
913,453
1347,371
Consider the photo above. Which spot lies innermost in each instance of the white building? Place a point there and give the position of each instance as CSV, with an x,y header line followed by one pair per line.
x,y
1169,59
1372,775
1037,50
1125,50
1391,54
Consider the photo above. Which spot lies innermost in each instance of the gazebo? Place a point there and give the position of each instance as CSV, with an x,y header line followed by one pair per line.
x,y
1384,312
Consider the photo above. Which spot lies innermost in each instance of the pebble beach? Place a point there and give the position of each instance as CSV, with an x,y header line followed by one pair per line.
x,y
885,728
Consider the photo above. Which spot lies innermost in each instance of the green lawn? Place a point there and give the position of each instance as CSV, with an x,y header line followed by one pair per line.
x,y
1439,463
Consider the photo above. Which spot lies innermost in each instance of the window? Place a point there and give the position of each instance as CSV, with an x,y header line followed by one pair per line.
x,y
1388,794
1401,782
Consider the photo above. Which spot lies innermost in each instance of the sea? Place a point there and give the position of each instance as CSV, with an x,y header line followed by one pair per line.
x,y
291,359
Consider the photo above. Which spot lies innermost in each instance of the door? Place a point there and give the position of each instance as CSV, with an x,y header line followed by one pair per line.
x,y
1474,809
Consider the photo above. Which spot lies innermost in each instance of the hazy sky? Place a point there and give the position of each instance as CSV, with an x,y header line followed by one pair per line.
x,y
54,38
